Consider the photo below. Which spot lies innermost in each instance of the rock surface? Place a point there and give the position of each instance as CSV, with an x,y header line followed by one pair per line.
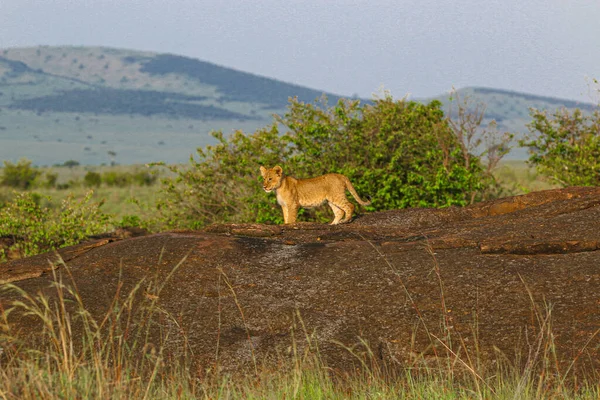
x,y
395,283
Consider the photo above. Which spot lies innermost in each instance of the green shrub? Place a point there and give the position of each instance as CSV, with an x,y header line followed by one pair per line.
x,y
402,153
129,221
144,178
92,179
118,179
64,186
36,228
223,185
566,146
20,175
51,179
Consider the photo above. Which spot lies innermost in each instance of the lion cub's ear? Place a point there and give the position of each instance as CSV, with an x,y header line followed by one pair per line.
x,y
278,170
263,171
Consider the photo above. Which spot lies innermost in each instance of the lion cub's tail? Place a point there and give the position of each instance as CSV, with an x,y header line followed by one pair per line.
x,y
354,194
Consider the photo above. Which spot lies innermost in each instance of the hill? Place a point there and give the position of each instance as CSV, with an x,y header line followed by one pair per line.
x,y
82,103
59,103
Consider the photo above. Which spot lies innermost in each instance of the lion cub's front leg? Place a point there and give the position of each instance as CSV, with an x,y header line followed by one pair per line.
x,y
290,210
290,214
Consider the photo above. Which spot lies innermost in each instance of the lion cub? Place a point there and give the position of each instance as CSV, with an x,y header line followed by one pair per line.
x,y
294,193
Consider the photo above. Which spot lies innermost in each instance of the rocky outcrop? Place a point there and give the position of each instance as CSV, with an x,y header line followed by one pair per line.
x,y
396,286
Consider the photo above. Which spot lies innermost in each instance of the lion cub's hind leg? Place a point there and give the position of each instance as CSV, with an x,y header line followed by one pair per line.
x,y
337,212
348,210
342,210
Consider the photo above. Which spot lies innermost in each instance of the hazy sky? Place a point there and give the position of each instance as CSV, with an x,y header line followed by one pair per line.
x,y
421,47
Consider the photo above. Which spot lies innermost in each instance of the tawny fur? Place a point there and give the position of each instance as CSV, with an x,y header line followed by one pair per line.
x,y
294,193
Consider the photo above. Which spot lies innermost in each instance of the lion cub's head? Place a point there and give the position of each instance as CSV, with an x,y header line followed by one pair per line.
x,y
271,177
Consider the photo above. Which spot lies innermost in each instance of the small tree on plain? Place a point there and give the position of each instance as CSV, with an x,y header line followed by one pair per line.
x,y
20,175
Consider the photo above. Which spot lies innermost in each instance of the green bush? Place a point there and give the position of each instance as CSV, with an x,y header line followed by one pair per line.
x,y
92,179
144,178
36,228
129,221
20,175
565,147
118,179
401,153
51,179
64,186
223,185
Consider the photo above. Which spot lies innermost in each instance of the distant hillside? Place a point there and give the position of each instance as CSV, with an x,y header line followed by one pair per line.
x,y
85,103
59,103
86,79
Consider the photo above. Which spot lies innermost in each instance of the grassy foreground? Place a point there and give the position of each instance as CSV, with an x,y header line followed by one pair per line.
x,y
114,359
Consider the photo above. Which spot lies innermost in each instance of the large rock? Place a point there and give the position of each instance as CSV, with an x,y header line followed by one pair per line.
x,y
403,283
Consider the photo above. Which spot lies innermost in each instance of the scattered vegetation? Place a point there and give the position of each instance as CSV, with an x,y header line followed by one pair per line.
x,y
69,164
138,178
47,208
159,85
24,176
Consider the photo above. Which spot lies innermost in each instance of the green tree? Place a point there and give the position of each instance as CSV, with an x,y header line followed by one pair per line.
x,y
71,163
20,175
565,146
